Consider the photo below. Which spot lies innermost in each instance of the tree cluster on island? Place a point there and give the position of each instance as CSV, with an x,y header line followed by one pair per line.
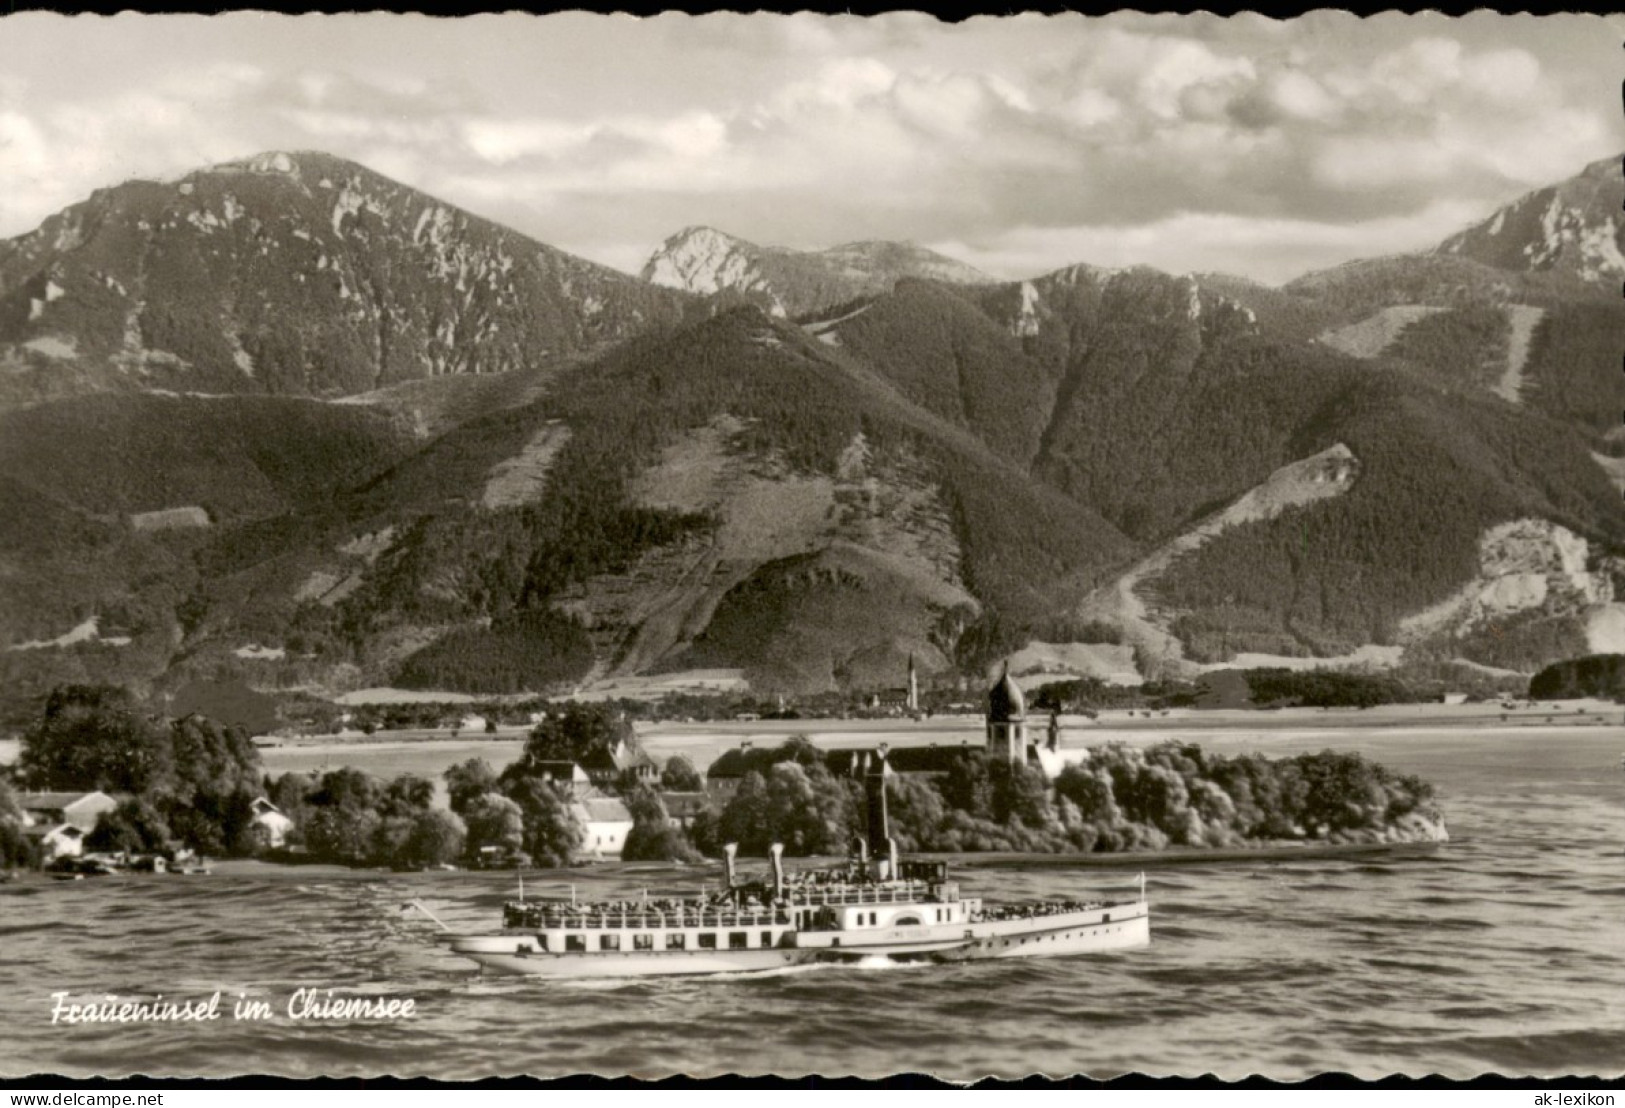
x,y
192,785
1119,798
184,783
525,812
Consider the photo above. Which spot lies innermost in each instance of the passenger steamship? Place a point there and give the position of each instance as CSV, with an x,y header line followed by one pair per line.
x,y
875,906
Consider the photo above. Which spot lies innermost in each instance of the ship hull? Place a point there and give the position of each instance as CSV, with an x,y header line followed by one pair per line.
x,y
503,955
1061,936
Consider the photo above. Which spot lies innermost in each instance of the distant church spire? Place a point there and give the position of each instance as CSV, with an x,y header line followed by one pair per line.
x,y
1007,718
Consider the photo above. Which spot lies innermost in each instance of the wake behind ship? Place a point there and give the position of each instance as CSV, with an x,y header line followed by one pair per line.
x,y
875,906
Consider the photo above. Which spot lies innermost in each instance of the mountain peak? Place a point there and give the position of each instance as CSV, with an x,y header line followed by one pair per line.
x,y
1574,227
290,163
293,272
787,282
271,161
908,259
708,261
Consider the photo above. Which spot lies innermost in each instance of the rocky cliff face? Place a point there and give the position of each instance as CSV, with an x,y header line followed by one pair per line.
x,y
791,282
706,261
1575,227
1526,567
296,274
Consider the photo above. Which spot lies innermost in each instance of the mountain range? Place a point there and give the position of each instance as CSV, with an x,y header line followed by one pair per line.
x,y
289,421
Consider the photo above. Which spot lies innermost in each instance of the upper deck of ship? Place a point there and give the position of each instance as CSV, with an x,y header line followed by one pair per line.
x,y
744,905
659,915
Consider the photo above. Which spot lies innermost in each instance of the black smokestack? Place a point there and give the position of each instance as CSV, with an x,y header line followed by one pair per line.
x,y
874,787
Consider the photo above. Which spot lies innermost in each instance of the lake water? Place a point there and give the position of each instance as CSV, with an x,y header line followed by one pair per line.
x,y
1500,952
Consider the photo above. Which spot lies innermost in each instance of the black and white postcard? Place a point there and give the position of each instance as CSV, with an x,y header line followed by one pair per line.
x,y
791,545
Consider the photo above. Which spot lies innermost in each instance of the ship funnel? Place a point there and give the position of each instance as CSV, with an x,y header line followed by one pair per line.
x,y
728,853
874,787
776,853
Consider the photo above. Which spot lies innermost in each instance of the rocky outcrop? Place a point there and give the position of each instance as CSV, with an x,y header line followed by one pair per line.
x,y
1526,565
788,282
1328,473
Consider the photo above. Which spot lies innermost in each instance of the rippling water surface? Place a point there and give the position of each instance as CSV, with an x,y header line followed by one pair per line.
x,y
1501,952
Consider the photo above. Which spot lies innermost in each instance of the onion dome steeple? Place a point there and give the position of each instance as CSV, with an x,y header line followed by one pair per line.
x,y
1005,702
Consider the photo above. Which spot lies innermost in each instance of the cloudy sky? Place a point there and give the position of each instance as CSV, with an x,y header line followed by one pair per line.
x,y
1019,145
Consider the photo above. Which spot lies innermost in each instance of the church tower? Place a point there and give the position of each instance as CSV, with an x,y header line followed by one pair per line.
x,y
913,687
1007,720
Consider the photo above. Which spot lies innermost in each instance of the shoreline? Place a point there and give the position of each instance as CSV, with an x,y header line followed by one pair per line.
x,y
1269,852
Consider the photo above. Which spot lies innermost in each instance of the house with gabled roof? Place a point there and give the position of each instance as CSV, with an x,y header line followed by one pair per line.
x,y
608,767
61,840
80,808
563,772
606,823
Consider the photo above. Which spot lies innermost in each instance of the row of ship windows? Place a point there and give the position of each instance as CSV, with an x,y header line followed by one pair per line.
x,y
675,940
1041,938
737,940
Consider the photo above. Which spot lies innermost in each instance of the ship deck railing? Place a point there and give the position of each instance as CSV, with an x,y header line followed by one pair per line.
x,y
891,892
645,920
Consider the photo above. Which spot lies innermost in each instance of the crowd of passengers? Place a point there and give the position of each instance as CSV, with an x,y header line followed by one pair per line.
x,y
532,913
823,878
749,898
1032,911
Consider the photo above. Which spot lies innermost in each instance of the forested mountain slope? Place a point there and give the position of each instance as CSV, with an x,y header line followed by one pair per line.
x,y
293,274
